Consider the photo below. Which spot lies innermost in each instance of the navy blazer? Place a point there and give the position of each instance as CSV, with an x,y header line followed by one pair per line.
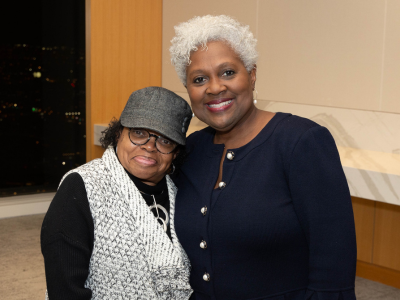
x,y
282,227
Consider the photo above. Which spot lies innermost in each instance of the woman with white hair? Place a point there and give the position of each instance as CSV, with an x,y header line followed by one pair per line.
x,y
263,208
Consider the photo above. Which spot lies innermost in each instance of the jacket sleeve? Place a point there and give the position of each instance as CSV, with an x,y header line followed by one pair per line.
x,y
67,241
323,205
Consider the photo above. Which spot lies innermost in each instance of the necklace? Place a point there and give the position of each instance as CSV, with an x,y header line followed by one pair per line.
x,y
151,194
159,206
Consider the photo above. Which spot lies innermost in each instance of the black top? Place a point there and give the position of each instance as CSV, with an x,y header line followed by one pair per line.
x,y
160,192
68,233
281,228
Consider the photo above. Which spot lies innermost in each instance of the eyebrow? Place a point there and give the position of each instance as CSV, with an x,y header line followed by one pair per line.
x,y
200,71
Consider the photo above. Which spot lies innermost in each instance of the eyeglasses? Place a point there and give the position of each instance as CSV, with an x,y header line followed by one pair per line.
x,y
140,137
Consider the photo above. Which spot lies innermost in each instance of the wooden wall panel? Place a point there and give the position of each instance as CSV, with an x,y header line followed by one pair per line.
x,y
364,211
378,241
124,39
379,274
386,250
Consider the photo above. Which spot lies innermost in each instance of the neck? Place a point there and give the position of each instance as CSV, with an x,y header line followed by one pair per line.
x,y
245,130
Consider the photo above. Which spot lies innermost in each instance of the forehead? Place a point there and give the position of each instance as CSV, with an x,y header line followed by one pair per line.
x,y
216,53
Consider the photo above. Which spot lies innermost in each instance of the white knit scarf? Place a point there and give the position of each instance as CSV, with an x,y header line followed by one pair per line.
x,y
133,258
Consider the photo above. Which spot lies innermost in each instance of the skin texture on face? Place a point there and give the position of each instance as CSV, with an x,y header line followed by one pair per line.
x,y
220,88
145,161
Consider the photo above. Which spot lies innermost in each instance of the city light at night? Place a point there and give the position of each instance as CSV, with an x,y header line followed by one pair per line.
x,y
42,99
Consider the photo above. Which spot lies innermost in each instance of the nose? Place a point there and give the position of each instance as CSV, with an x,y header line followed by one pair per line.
x,y
215,86
150,146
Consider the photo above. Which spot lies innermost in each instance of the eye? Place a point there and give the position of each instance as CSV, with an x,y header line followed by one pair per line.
x,y
138,132
228,73
199,80
165,141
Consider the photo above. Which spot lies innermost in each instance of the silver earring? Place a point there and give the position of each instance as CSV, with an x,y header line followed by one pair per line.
x,y
255,98
193,115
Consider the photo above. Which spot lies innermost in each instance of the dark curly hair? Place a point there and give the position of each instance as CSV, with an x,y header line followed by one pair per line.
x,y
111,135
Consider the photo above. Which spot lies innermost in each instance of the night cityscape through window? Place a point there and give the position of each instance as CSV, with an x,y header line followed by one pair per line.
x,y
42,94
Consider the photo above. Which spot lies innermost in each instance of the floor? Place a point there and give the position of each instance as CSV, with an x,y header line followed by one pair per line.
x,y
21,262
22,272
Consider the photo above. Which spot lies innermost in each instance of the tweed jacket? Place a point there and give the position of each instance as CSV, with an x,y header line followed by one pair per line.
x,y
132,256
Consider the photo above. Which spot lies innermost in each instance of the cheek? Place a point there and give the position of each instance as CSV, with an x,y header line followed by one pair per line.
x,y
195,95
196,102
121,145
166,162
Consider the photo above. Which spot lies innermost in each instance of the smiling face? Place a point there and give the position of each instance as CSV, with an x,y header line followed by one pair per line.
x,y
220,88
145,161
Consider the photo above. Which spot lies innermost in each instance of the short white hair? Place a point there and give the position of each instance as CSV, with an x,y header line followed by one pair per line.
x,y
197,32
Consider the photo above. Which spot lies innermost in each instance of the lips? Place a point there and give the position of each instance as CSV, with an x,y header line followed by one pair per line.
x,y
145,161
219,105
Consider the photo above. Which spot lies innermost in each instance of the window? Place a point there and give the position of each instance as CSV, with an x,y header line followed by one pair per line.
x,y
42,94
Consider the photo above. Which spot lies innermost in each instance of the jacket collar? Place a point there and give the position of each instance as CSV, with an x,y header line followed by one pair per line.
x,y
215,150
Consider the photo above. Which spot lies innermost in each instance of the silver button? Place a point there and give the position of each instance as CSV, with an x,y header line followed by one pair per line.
x,y
230,155
221,185
206,277
183,129
204,210
203,245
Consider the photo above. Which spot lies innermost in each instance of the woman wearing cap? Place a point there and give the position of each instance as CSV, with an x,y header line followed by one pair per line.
x,y
109,231
263,208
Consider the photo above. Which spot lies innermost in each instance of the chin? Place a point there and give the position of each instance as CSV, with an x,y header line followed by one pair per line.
x,y
216,122
225,125
143,175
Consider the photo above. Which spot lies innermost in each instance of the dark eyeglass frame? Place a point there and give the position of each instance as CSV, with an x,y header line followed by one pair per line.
x,y
148,139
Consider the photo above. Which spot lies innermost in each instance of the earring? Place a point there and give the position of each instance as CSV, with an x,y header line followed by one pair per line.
x,y
193,115
255,98
171,169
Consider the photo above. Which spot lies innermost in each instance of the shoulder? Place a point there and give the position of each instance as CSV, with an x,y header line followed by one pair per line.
x,y
198,137
294,125
71,190
302,140
94,164
294,134
291,129
88,170
71,181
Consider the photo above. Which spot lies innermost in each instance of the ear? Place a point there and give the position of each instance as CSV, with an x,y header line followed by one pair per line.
x,y
119,135
253,76
175,154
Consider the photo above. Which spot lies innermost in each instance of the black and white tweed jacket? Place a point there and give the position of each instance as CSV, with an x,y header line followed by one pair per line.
x,y
132,256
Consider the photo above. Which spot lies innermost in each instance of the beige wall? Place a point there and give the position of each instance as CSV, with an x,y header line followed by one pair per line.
x,y
331,53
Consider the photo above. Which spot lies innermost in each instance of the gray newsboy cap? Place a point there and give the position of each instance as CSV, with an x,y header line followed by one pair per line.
x,y
158,109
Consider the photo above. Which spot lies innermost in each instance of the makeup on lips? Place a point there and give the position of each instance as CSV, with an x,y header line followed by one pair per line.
x,y
219,104
144,160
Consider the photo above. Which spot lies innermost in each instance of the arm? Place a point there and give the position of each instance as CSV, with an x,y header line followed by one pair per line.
x,y
323,205
67,241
